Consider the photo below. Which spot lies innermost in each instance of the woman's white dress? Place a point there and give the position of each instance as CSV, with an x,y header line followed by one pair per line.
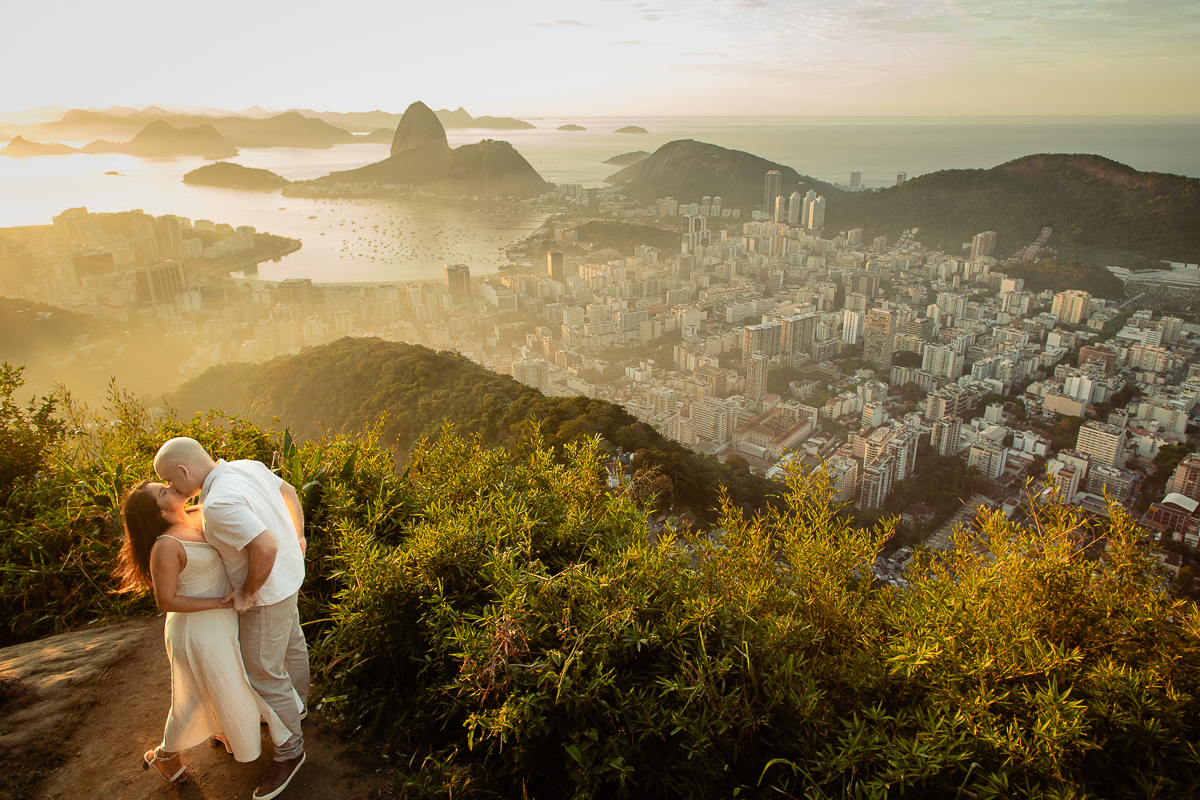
x,y
210,693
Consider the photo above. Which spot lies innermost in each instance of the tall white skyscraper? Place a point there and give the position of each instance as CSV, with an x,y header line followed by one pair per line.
x,y
852,326
795,207
816,214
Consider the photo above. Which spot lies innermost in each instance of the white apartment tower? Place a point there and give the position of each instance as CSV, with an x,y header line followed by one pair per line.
x,y
1072,306
1103,442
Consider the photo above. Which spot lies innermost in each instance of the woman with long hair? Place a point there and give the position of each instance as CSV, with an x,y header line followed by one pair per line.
x,y
211,699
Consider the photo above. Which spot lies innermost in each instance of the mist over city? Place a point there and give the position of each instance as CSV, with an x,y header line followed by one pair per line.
x,y
681,399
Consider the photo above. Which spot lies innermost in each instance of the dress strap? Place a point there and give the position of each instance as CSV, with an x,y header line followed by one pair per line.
x,y
184,542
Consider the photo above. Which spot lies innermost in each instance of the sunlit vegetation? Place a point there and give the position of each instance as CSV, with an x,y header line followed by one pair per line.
x,y
498,623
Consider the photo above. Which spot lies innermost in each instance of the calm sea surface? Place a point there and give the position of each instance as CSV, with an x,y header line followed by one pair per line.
x,y
394,240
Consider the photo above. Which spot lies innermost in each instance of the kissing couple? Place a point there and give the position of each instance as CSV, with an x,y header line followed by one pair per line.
x,y
228,575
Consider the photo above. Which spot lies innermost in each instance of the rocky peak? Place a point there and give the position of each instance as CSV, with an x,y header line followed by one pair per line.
x,y
419,127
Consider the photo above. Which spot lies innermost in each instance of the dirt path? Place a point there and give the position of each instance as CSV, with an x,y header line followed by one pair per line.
x,y
99,700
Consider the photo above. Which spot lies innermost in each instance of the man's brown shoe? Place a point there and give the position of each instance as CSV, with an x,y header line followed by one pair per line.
x,y
279,775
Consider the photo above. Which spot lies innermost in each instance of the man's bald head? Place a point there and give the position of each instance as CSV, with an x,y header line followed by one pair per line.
x,y
183,463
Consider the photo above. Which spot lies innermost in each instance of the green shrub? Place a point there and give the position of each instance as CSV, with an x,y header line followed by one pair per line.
x,y
496,622
25,433
751,661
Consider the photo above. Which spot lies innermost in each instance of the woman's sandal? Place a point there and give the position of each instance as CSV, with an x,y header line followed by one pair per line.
x,y
153,759
218,740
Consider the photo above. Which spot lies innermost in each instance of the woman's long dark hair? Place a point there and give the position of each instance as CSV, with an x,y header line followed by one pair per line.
x,y
144,523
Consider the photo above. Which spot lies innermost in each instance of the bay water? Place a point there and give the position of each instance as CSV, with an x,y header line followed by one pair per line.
x,y
399,239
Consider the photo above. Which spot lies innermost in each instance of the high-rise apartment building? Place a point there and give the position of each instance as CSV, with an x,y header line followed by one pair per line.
x,y
774,187
757,371
781,208
1072,306
879,245
297,292
765,338
879,337
901,177
798,333
1186,478
458,281
795,208
144,242
534,372
852,325
988,457
815,219
946,435
160,283
168,237
554,265
855,180
942,361
876,484
982,245
1103,442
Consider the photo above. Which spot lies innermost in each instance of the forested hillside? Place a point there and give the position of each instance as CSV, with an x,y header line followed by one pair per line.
x,y
1101,211
350,384
494,623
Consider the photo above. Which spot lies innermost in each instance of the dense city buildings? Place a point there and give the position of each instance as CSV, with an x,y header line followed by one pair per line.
x,y
759,334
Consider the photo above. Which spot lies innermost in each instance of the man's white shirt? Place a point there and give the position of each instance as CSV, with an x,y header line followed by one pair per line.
x,y
241,499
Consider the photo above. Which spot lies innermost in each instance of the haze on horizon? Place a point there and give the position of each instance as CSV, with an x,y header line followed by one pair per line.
x,y
616,57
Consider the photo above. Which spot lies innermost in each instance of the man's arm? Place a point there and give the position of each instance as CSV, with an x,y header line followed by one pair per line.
x,y
261,551
292,500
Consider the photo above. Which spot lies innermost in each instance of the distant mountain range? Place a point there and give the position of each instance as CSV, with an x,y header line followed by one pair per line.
x,y
1100,210
421,156
689,170
160,140
254,127
20,147
283,130
368,121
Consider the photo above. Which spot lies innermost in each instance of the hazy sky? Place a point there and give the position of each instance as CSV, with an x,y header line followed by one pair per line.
x,y
611,57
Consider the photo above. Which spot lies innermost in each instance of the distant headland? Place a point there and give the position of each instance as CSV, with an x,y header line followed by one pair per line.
x,y
422,157
234,176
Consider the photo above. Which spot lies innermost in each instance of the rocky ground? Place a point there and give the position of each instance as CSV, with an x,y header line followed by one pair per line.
x,y
78,710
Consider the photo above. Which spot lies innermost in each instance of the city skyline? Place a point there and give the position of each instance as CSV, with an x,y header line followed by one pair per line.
x,y
717,58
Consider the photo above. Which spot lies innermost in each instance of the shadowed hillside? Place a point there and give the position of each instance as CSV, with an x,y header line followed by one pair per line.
x,y
1100,210
688,170
348,385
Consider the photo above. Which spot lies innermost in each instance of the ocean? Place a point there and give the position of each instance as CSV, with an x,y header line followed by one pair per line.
x,y
381,240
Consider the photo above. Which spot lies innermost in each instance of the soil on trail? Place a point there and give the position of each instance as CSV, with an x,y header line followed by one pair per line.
x,y
98,722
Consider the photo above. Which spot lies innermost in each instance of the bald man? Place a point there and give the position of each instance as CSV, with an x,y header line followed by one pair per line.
x,y
254,520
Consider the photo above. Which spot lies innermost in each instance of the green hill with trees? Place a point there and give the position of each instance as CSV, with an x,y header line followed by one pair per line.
x,y
1059,275
350,384
1101,211
228,175
497,622
689,170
